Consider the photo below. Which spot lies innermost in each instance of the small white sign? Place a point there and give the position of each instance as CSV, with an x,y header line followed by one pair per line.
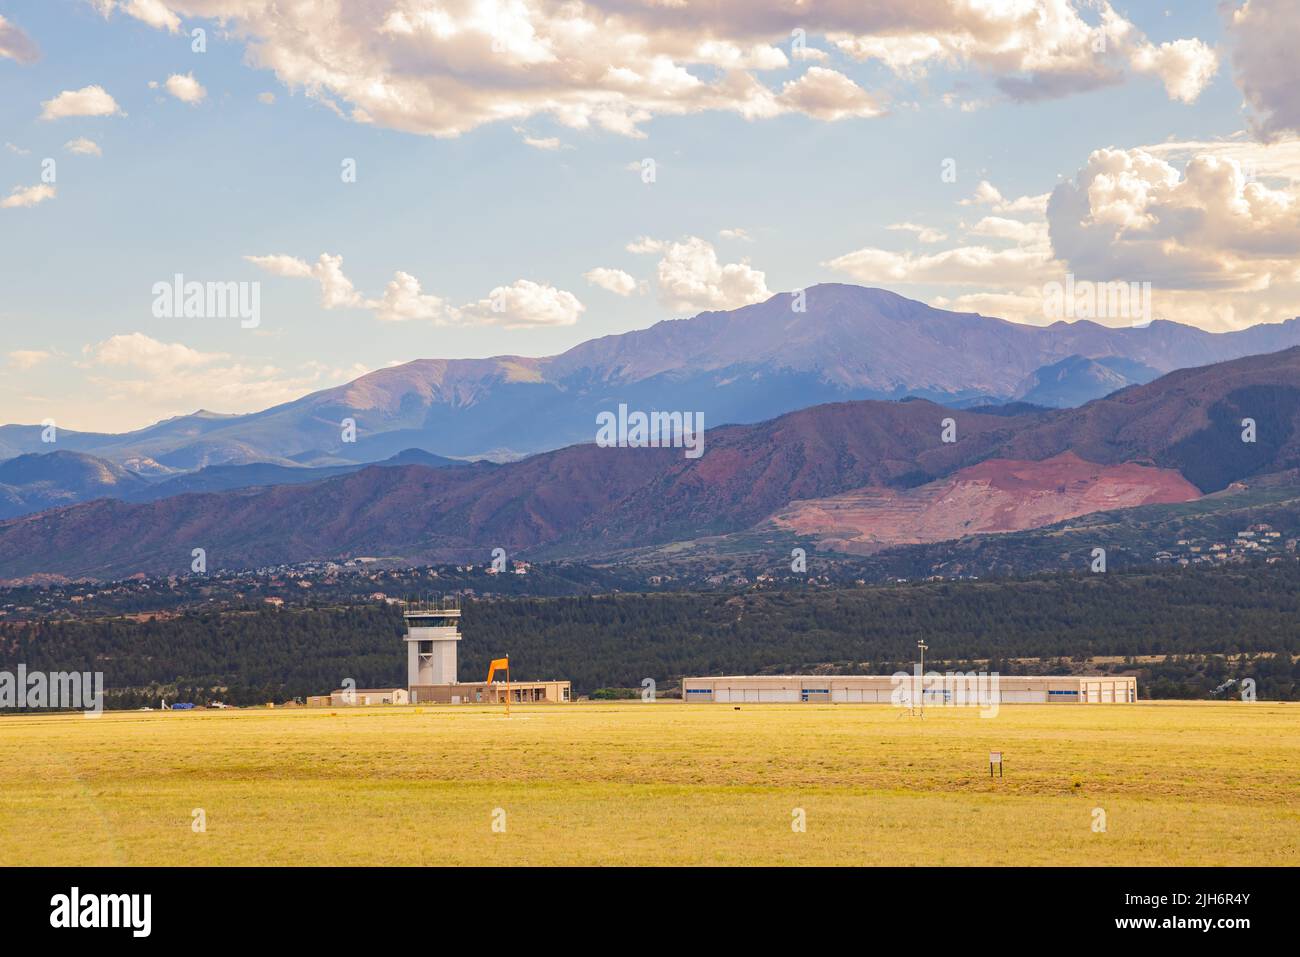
x,y
995,757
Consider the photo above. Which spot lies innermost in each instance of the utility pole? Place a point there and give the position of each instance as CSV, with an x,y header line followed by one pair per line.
x,y
922,645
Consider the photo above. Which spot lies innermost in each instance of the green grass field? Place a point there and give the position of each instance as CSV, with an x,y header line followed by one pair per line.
x,y
665,783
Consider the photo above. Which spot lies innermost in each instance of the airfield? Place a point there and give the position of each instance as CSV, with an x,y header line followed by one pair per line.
x,y
665,783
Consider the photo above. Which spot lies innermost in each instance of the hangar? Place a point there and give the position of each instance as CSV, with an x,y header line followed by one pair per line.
x,y
939,689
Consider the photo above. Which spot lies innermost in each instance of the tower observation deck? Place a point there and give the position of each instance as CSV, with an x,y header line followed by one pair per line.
x,y
432,631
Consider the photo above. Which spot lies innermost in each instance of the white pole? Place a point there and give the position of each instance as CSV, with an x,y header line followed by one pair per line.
x,y
922,645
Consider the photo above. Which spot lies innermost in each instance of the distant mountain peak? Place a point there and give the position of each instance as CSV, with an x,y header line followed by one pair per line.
x,y
742,365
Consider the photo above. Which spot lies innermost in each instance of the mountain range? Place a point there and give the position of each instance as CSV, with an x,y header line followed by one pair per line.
x,y
742,366
1166,441
37,481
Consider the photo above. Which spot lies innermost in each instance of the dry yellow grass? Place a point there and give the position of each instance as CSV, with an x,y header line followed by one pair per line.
x,y
665,783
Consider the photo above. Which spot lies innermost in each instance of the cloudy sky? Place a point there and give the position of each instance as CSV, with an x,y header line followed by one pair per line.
x,y
454,178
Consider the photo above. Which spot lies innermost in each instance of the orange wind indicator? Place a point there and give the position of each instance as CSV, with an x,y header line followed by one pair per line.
x,y
504,665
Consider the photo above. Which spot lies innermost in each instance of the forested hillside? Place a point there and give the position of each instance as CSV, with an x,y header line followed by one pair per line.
x,y
259,654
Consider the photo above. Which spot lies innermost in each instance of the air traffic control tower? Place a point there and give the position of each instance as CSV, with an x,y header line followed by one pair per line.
x,y
432,631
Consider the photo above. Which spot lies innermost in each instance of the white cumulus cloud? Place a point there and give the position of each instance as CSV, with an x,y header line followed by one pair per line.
x,y
83,147
24,196
1131,214
1033,49
404,301
614,280
524,304
986,194
690,278
336,290
520,305
444,68
1216,243
829,95
1184,66
185,88
88,101
156,13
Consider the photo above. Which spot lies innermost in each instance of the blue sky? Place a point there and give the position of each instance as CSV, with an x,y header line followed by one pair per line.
x,y
814,178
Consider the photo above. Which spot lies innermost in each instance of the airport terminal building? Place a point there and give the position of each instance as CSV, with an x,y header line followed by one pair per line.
x,y
937,689
432,634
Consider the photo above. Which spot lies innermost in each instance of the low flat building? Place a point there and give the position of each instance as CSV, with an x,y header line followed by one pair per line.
x,y
343,697
480,692
936,689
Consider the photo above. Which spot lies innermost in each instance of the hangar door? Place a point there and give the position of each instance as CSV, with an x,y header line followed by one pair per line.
x,y
756,695
853,695
1018,696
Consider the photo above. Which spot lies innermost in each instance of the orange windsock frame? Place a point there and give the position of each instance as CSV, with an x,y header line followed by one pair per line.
x,y
504,665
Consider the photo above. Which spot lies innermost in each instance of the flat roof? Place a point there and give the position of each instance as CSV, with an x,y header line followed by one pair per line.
x,y
928,674
363,691
496,684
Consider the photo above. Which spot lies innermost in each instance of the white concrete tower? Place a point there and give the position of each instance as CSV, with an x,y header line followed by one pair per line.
x,y
431,635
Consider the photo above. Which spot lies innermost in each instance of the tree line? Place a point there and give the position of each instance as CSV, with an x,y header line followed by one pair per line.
x,y
1202,620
